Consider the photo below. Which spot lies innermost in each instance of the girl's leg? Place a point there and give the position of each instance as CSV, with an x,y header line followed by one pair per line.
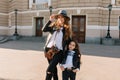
x,y
72,75
65,75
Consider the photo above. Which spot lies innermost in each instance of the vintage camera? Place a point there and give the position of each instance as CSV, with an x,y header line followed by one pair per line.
x,y
51,52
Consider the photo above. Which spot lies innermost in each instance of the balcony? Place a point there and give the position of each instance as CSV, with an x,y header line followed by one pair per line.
x,y
39,6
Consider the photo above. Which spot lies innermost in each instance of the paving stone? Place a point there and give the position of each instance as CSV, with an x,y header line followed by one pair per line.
x,y
24,60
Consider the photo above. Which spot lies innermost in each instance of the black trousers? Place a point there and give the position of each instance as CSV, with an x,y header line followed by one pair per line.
x,y
68,74
52,67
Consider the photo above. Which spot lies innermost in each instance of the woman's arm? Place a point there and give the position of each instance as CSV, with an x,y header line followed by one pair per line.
x,y
47,27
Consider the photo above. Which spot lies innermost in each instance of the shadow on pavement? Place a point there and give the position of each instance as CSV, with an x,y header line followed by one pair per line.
x,y
23,45
86,49
100,50
8,79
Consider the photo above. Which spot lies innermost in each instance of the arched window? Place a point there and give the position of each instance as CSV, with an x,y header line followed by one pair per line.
x,y
36,2
113,2
41,1
30,3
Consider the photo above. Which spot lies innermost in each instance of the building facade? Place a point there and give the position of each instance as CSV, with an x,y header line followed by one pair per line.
x,y
89,18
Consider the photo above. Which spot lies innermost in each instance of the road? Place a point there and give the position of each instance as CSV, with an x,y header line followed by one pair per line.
x,y
22,60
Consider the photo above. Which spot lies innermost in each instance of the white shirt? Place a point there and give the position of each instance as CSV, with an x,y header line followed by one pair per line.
x,y
69,60
56,39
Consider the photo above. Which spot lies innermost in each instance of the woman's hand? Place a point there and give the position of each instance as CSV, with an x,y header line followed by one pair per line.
x,y
52,18
75,70
62,68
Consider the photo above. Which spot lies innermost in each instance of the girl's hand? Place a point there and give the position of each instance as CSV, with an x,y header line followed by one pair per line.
x,y
52,17
62,68
75,70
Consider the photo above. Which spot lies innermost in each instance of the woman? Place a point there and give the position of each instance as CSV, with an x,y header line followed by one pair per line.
x,y
59,35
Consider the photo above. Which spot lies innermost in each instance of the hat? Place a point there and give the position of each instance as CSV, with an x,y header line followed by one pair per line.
x,y
63,13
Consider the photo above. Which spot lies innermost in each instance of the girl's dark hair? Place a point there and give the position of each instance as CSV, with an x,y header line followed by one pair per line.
x,y
77,48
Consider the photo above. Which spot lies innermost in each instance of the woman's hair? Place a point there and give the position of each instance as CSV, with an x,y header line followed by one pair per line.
x,y
77,48
68,31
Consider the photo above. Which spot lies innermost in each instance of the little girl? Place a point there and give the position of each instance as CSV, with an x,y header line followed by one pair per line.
x,y
71,61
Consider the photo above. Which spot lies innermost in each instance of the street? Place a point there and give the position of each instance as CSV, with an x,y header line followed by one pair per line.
x,y
22,60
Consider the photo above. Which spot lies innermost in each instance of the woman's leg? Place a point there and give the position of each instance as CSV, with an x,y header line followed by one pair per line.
x,y
48,75
52,68
54,62
52,72
55,75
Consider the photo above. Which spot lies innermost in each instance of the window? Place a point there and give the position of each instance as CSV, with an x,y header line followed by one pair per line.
x,y
40,1
113,2
117,2
30,4
34,1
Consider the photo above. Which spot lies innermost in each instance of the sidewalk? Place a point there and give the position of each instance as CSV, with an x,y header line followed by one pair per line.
x,y
21,60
